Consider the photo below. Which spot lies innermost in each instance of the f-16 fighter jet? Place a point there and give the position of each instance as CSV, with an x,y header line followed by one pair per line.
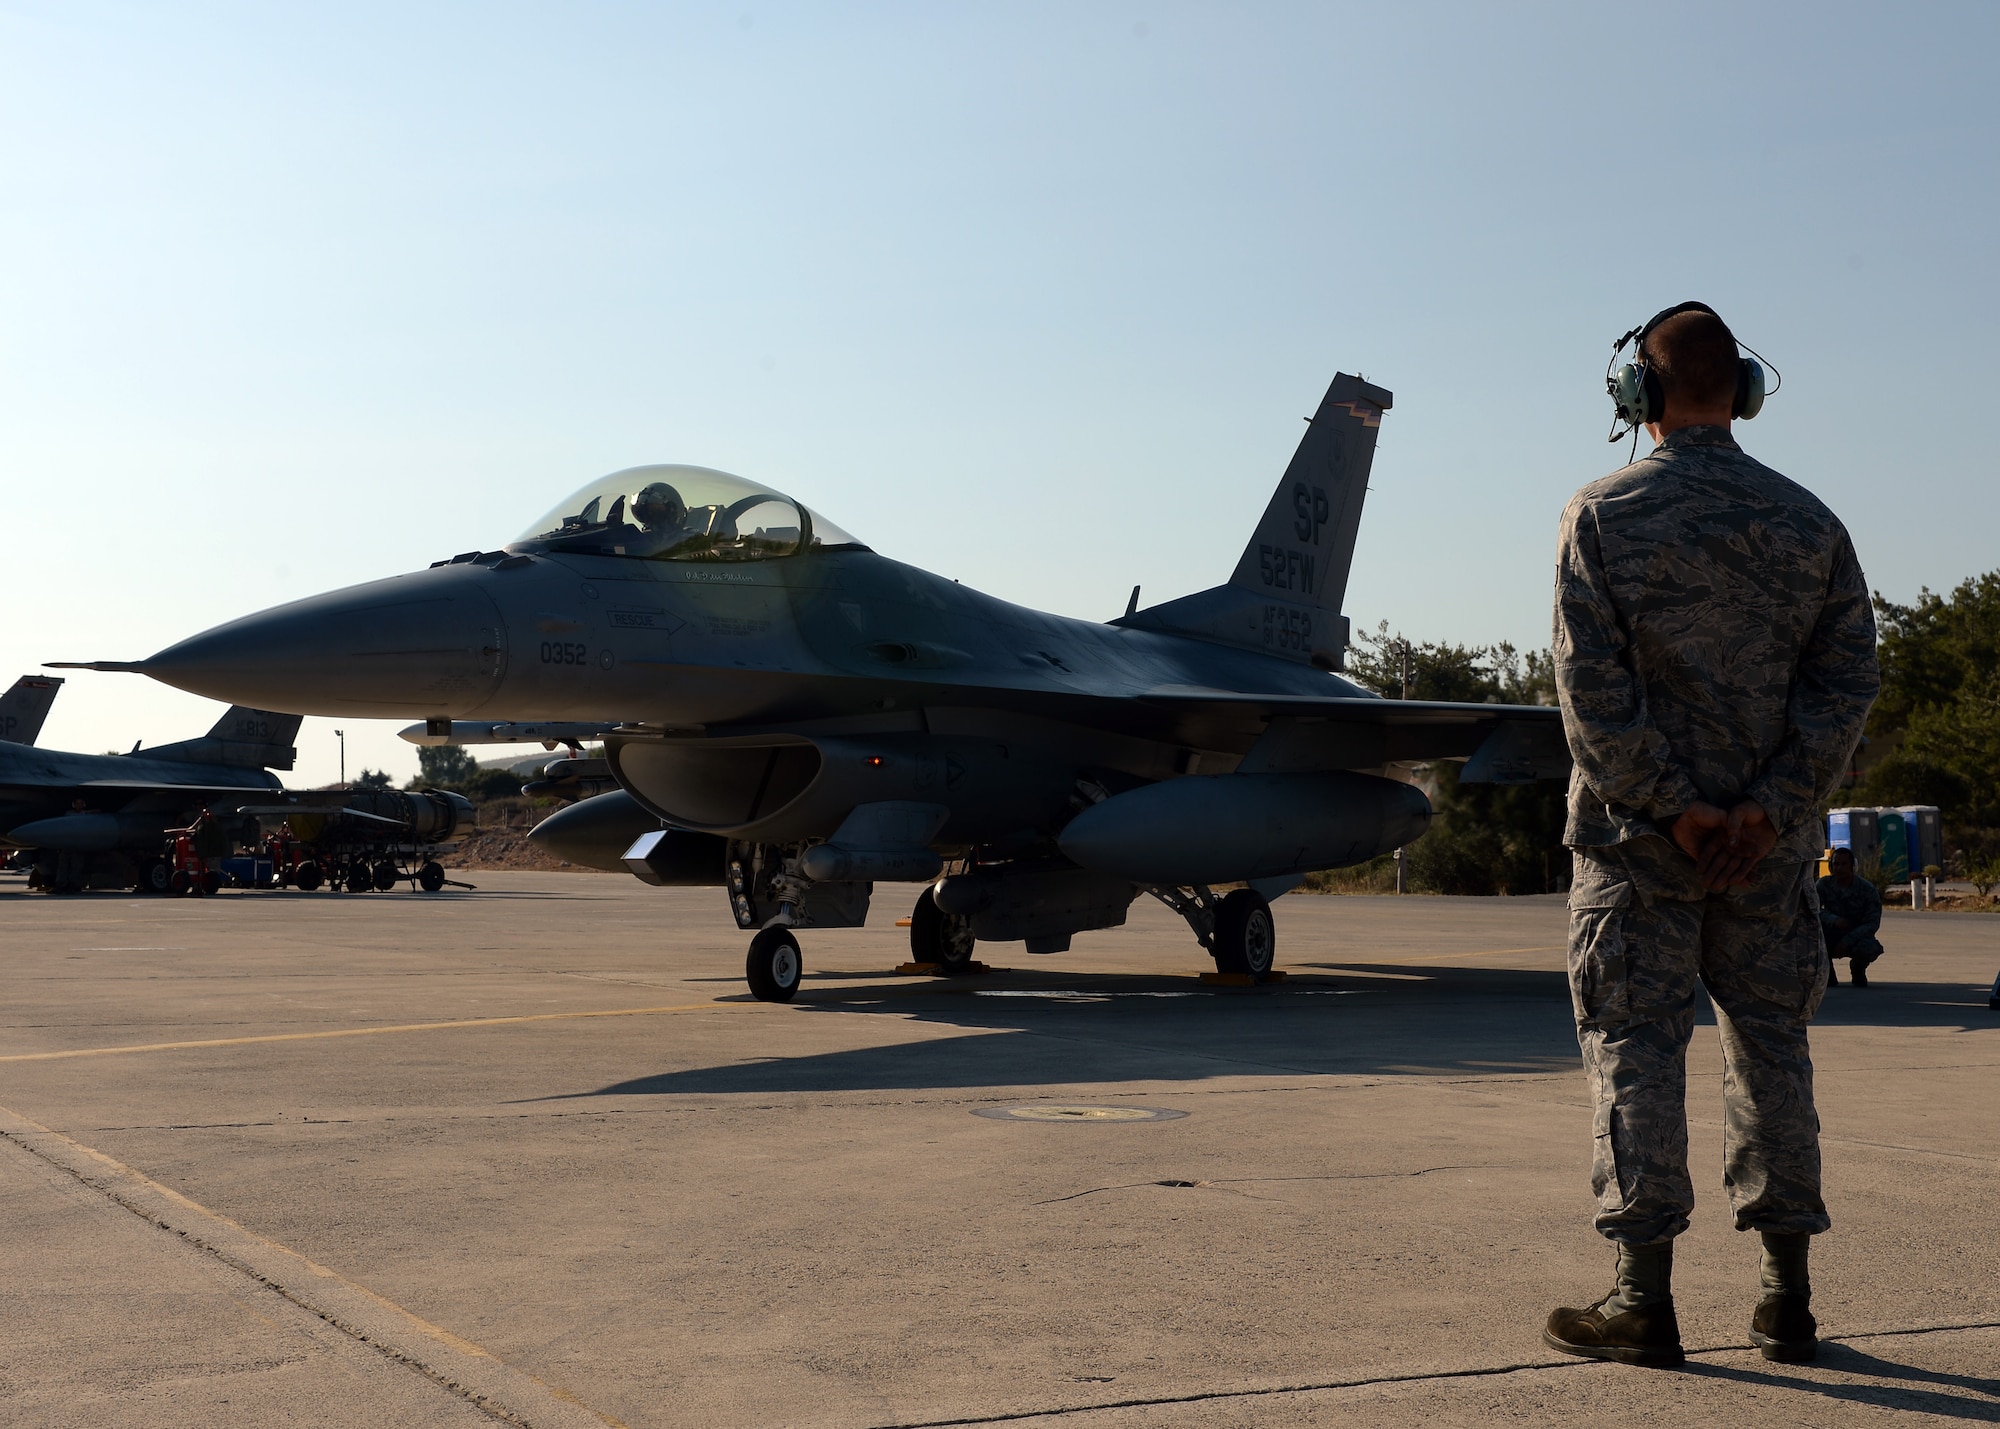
x,y
800,719
101,820
26,705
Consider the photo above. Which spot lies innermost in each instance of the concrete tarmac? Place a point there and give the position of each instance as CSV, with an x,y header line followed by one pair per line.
x,y
531,1155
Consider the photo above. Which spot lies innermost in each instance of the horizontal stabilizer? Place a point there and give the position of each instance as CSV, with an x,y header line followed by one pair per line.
x,y
242,739
1503,744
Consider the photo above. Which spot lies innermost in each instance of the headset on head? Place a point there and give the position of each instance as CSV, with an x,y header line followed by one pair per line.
x,y
1636,395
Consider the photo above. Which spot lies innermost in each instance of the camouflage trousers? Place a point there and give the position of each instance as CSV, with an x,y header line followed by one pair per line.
x,y
1643,939
1861,948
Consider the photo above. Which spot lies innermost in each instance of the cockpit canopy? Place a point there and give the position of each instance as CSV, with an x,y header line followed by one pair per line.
x,y
682,513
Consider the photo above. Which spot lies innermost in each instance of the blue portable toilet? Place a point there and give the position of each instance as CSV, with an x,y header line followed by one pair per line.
x,y
1856,830
1923,826
1893,832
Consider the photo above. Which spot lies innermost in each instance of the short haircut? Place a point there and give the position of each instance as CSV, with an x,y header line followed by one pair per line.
x,y
1839,851
1694,356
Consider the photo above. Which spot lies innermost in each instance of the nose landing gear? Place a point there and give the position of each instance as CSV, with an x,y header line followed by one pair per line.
x,y
774,966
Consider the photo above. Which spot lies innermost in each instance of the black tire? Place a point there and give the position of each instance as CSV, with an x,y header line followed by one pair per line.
x,y
211,883
308,876
1246,936
774,966
156,875
360,878
940,937
430,877
385,876
179,884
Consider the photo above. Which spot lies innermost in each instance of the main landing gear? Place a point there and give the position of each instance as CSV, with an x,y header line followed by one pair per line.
x,y
941,938
1237,929
775,966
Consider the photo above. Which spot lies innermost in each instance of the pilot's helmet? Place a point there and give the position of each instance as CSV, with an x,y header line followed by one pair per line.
x,y
659,507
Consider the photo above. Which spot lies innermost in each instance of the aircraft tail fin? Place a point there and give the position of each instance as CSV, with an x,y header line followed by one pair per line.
x,y
26,705
1286,593
1304,546
242,739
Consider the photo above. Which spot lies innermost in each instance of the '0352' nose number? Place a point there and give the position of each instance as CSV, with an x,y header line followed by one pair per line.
x,y
565,652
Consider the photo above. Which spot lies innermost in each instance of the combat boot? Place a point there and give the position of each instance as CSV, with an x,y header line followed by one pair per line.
x,y
1649,1335
1784,1329
1635,1323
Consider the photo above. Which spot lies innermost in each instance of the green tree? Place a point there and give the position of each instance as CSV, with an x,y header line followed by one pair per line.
x,y
1486,838
444,766
489,784
1941,699
374,779
449,767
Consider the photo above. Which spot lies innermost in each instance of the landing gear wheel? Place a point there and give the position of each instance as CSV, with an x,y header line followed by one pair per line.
x,y
385,876
1246,937
430,877
940,937
308,877
774,966
360,879
156,875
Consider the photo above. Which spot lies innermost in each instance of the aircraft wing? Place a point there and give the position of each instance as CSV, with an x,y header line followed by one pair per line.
x,y
189,786
1501,744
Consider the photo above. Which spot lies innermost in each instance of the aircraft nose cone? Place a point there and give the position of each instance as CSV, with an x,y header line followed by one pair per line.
x,y
430,644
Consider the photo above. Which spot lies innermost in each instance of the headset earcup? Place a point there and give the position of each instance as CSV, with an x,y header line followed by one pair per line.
x,y
1628,394
1749,389
1654,403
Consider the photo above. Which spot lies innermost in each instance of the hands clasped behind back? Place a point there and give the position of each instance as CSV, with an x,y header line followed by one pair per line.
x,y
1726,844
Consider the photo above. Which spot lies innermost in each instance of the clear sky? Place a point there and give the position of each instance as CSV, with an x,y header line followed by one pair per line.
x,y
1034,295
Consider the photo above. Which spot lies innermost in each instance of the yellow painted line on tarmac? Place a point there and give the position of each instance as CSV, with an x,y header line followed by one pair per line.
x,y
360,1031
131,1049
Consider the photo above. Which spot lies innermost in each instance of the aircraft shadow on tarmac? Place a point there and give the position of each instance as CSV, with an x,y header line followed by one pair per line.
x,y
1033,1029
1978,1399
1030,1029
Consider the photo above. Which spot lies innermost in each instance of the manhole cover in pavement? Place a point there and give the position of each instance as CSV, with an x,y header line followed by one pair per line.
x,y
1043,1111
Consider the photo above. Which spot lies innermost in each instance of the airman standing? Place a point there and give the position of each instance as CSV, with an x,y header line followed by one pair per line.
x,y
1715,658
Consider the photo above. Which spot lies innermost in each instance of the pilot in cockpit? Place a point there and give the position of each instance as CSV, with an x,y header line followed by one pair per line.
x,y
659,508
661,515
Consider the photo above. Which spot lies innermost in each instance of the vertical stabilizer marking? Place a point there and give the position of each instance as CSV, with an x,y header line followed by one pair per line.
x,y
1304,546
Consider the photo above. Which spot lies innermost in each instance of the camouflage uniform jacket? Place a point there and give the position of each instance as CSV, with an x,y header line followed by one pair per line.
x,y
1713,642
1858,903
